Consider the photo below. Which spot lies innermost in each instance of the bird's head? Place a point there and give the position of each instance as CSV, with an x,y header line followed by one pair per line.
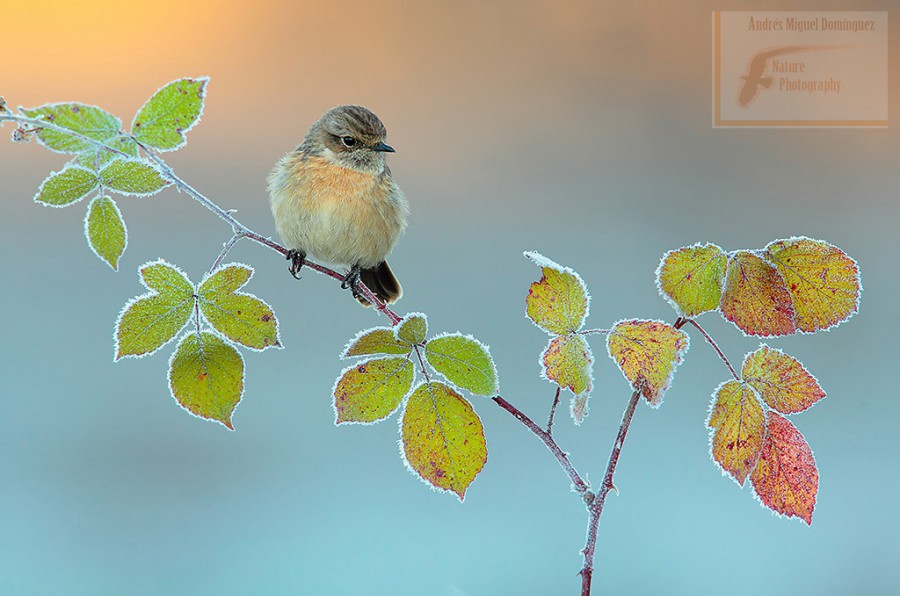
x,y
350,136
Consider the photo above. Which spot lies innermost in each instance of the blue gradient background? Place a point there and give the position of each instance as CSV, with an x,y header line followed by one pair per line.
x,y
581,130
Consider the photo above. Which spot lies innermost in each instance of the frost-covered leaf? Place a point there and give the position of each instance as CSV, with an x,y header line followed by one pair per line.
x,y
172,111
132,177
97,157
242,318
738,426
647,353
443,439
691,278
412,329
464,361
755,297
370,391
206,376
559,302
150,321
378,340
69,185
105,230
86,120
578,407
567,361
786,479
780,380
822,280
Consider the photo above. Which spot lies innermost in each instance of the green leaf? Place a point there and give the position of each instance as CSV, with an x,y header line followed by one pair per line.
x,y
132,177
378,340
105,231
464,361
86,120
206,376
242,318
97,157
559,302
172,111
412,329
370,391
647,352
69,185
150,321
443,439
691,278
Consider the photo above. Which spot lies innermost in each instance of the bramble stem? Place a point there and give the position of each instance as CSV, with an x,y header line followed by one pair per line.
x,y
715,346
581,486
239,229
552,412
595,509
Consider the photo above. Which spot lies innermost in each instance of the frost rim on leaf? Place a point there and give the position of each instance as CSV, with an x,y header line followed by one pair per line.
x,y
400,406
487,350
204,82
662,261
88,236
542,261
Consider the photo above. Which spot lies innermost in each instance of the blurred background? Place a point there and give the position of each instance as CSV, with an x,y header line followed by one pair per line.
x,y
578,129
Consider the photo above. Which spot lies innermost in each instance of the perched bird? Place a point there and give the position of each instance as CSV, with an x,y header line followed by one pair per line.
x,y
333,198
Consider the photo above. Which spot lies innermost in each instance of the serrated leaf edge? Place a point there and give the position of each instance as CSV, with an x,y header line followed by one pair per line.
x,y
88,236
240,400
68,166
204,81
712,431
406,318
278,345
484,346
128,193
765,405
658,274
150,293
855,310
400,405
408,465
679,356
759,252
345,356
542,261
593,361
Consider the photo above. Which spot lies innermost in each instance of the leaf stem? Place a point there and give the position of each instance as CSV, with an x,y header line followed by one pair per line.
x,y
715,346
553,412
595,509
227,247
581,487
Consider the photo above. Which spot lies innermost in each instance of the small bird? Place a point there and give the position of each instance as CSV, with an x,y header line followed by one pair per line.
x,y
333,198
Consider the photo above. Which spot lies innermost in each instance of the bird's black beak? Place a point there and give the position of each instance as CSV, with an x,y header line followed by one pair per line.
x,y
383,147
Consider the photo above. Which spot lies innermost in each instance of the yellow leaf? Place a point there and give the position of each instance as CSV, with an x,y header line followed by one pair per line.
x,y
370,391
559,302
647,353
822,280
567,361
780,380
443,439
412,329
755,297
691,278
739,425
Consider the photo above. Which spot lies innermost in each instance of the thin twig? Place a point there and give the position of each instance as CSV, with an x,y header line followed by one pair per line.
x,y
227,247
594,332
553,412
581,486
596,508
715,346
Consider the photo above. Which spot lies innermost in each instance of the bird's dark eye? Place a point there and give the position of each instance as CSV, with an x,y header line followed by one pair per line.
x,y
348,141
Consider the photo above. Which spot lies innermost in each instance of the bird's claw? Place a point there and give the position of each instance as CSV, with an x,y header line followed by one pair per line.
x,y
351,279
297,258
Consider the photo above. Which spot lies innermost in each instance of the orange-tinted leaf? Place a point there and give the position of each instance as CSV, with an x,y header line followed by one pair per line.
x,y
559,302
786,479
567,361
647,353
443,439
370,391
780,380
755,297
739,425
691,278
823,281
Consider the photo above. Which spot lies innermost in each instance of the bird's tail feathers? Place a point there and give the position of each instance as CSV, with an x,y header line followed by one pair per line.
x,y
380,279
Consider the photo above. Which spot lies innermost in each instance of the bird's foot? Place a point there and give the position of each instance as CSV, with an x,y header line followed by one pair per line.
x,y
350,280
297,258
